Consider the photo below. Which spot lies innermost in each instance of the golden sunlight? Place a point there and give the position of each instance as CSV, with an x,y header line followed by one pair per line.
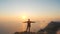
x,y
24,17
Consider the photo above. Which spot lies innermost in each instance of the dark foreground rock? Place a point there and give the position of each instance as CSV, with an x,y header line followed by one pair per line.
x,y
24,33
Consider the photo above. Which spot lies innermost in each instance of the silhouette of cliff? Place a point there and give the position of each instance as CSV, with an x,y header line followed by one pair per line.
x,y
24,32
51,28
40,31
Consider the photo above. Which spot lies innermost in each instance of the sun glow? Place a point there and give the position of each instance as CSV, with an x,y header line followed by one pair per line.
x,y
24,17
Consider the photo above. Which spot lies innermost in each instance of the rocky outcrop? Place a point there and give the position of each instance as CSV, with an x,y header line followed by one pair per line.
x,y
51,28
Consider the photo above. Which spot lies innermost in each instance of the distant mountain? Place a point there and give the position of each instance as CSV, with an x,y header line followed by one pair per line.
x,y
51,28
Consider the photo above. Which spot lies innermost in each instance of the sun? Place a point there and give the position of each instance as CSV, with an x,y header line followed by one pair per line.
x,y
24,17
